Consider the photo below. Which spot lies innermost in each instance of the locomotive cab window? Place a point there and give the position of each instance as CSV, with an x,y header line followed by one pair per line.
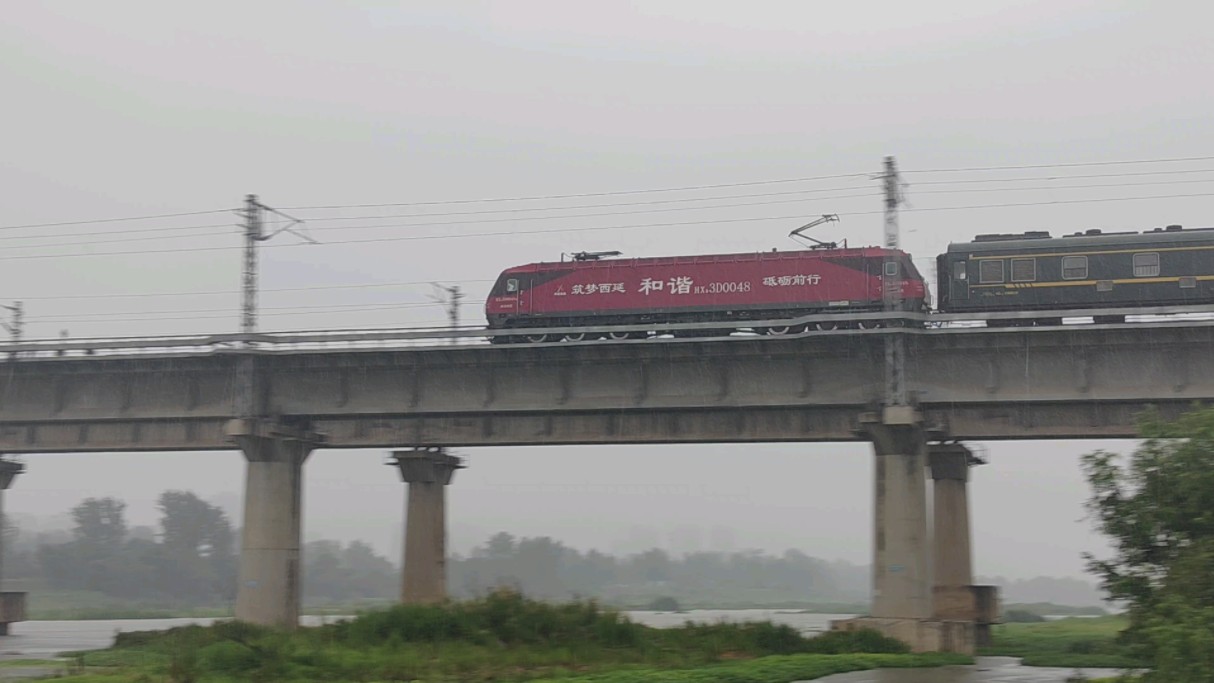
x,y
1024,269
1146,265
511,286
959,270
1074,267
990,272
891,268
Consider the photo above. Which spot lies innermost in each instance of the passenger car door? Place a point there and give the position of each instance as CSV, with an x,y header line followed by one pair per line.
x,y
959,286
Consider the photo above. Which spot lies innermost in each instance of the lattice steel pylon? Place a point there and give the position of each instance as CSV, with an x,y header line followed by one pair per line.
x,y
449,298
252,235
254,232
254,221
17,324
891,290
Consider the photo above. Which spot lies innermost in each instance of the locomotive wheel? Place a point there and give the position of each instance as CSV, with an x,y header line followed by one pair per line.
x,y
580,336
870,324
537,338
781,330
618,336
826,325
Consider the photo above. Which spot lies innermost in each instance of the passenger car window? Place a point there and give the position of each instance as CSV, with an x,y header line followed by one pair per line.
x,y
990,271
1146,265
959,270
511,286
1024,269
1074,267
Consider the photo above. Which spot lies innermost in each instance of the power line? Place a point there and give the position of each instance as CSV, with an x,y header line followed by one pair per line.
x,y
692,208
352,228
582,194
599,206
1063,177
466,222
117,232
100,317
409,238
313,308
236,292
615,193
1048,188
588,206
113,220
1070,165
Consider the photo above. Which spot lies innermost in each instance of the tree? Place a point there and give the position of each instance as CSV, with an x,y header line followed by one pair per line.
x,y
197,543
1158,511
100,522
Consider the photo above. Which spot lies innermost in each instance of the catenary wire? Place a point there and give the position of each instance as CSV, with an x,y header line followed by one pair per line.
x,y
976,169
594,215
972,169
471,222
86,318
313,308
325,219
114,220
235,292
408,238
582,194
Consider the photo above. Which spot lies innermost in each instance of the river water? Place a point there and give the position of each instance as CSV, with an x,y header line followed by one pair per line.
x,y
47,639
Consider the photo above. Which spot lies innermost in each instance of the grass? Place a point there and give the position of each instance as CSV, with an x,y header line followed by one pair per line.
x,y
1065,643
501,638
19,663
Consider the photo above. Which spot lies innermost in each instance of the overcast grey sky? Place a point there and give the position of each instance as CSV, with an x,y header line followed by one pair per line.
x,y
129,108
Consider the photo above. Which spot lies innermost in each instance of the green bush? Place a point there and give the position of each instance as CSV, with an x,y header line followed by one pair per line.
x,y
503,618
228,658
502,637
864,640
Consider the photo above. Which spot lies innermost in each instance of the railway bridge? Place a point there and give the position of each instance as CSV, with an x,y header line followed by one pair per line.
x,y
417,393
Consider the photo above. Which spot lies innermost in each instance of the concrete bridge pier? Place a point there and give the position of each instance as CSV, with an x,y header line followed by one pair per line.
x,y
12,603
954,595
427,471
268,590
901,582
902,605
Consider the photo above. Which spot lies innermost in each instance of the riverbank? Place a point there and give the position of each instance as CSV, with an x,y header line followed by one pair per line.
x,y
501,638
1073,642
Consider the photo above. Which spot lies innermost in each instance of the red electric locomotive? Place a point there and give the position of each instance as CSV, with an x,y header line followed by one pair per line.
x,y
728,288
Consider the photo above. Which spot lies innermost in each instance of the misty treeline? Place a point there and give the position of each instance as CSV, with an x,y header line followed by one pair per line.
x,y
547,569
190,558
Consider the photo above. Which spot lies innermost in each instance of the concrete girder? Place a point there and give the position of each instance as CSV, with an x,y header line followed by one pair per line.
x,y
984,384
979,422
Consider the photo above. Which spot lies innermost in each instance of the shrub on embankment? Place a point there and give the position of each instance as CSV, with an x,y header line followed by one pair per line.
x,y
501,637
1073,642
